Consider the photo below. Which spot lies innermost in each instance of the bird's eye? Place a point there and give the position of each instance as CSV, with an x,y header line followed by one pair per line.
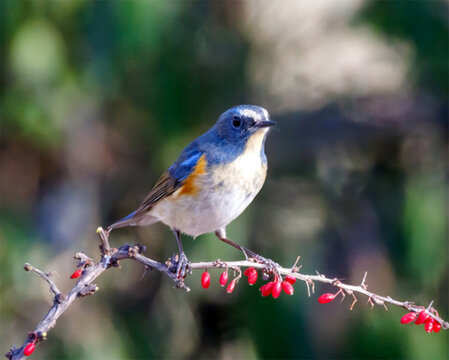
x,y
236,121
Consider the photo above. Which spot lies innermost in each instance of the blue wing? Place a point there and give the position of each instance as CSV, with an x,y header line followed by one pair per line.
x,y
183,167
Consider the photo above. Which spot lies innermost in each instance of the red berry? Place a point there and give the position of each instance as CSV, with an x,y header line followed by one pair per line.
x,y
277,288
266,289
409,317
231,287
252,278
249,271
205,280
224,278
422,317
326,298
76,274
288,287
290,279
29,348
428,326
436,326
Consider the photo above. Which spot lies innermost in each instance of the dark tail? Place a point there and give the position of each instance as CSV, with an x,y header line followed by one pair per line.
x,y
126,221
134,219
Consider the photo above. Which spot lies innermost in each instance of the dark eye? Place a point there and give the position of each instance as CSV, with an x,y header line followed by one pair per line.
x,y
236,121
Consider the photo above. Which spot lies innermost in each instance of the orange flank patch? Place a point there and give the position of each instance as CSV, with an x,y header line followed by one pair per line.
x,y
189,187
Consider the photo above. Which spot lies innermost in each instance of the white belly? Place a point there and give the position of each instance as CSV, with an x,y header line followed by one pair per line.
x,y
220,199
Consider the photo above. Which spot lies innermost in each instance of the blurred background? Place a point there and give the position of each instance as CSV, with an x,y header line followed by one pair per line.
x,y
99,97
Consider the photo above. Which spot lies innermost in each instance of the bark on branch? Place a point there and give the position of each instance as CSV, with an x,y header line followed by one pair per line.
x,y
110,257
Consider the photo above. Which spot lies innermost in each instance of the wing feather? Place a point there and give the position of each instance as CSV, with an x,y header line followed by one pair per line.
x,y
171,180
165,186
168,183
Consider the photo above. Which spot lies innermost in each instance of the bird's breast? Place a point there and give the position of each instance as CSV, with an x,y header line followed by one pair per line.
x,y
246,171
222,193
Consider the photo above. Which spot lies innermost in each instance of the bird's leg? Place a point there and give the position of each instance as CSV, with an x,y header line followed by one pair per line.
x,y
271,265
183,262
221,234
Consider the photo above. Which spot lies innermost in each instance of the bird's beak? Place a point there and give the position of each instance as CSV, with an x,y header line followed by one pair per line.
x,y
264,123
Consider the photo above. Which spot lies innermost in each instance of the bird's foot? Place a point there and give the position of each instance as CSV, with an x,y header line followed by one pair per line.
x,y
180,265
183,266
270,265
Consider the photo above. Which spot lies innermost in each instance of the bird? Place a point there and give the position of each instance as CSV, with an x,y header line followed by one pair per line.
x,y
212,181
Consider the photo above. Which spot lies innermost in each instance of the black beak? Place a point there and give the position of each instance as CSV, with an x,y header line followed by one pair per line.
x,y
264,123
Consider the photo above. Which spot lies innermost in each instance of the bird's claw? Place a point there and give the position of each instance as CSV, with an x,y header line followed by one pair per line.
x,y
182,265
270,265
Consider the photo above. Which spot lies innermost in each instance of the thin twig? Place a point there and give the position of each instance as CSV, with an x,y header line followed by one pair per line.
x,y
104,238
46,277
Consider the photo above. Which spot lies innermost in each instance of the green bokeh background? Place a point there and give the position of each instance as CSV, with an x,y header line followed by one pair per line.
x,y
99,97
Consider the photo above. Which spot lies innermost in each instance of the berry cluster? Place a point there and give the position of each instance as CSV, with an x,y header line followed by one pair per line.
x,y
205,281
273,288
422,318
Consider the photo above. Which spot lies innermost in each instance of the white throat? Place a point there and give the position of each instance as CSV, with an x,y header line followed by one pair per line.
x,y
255,141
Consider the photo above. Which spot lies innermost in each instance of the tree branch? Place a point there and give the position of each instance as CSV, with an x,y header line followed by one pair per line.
x,y
110,257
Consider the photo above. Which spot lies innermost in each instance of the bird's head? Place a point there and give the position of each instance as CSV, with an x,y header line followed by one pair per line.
x,y
240,123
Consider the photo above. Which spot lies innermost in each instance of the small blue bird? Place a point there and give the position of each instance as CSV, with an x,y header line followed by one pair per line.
x,y
212,182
